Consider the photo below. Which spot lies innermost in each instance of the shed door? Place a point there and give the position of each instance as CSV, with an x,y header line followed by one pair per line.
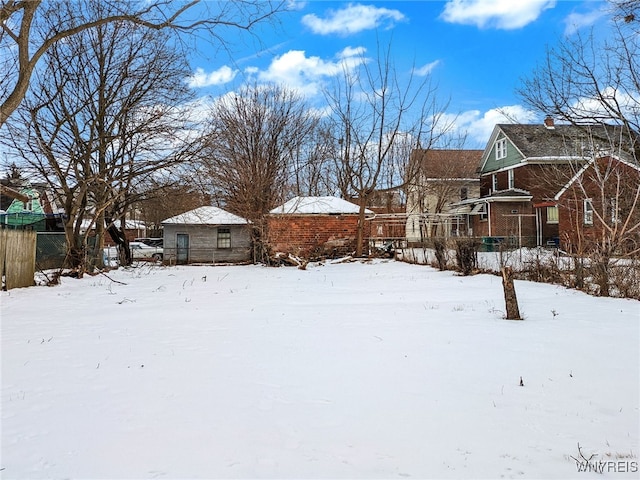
x,y
182,248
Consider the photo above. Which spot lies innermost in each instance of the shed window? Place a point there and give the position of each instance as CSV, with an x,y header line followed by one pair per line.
x,y
224,238
552,214
464,193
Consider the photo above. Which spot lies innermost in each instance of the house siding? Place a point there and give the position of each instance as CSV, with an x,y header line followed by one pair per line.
x,y
513,157
203,240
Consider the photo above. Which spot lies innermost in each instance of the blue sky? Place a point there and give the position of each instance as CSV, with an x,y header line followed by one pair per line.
x,y
477,51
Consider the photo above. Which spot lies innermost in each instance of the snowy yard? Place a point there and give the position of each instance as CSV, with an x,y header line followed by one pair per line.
x,y
380,370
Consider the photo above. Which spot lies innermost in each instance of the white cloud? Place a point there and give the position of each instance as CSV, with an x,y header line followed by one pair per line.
x,y
306,74
477,126
575,21
426,69
353,18
501,14
595,107
218,77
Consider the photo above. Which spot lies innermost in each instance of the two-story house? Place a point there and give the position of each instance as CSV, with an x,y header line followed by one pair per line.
x,y
522,171
444,178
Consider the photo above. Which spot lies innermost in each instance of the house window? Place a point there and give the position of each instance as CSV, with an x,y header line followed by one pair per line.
x,y
224,238
483,212
552,214
511,178
614,210
464,192
588,212
494,183
501,148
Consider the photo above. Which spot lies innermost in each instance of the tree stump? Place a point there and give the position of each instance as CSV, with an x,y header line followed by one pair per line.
x,y
510,299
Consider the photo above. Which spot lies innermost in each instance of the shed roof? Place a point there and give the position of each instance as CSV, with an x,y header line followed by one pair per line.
x,y
317,205
206,216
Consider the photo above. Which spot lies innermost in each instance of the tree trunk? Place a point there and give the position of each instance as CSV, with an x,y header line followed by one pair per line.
x,y
510,299
75,249
120,239
360,248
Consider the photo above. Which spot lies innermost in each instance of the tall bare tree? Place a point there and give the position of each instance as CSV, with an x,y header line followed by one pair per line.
x,y
595,85
313,166
248,153
26,32
584,80
379,119
102,118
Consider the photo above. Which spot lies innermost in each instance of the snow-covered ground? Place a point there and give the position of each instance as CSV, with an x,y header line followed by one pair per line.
x,y
353,370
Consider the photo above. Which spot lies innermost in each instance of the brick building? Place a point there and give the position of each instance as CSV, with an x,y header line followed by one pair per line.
x,y
600,204
314,226
522,170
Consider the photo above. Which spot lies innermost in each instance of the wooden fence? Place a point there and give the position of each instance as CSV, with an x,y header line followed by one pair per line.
x,y
17,258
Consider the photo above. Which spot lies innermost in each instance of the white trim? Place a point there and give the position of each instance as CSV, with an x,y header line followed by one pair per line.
x,y
556,159
527,198
456,179
573,179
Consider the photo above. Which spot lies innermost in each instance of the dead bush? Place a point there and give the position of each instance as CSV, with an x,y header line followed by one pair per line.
x,y
466,256
442,256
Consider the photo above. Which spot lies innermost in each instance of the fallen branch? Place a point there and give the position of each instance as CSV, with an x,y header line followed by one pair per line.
x,y
114,281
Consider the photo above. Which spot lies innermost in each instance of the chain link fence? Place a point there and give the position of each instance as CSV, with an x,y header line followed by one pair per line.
x,y
51,250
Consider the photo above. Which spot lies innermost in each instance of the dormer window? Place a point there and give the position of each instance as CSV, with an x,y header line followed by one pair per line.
x,y
501,148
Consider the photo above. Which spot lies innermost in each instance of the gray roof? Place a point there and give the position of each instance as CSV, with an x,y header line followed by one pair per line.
x,y
536,140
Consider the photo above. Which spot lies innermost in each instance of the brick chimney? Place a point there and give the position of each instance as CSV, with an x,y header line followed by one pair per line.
x,y
548,122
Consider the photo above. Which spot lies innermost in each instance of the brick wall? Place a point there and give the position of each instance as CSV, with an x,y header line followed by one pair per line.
x,y
613,199
313,235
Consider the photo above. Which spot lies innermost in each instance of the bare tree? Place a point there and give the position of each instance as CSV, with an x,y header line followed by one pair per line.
x,y
445,176
587,81
379,120
103,116
248,153
27,33
313,167
164,200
